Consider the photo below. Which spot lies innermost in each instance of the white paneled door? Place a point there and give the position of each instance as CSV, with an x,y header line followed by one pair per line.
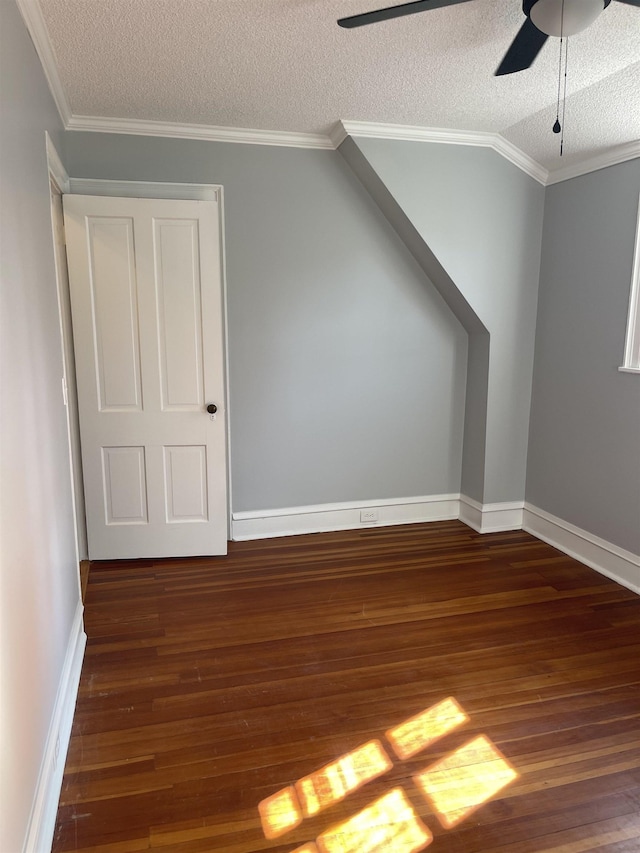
x,y
146,297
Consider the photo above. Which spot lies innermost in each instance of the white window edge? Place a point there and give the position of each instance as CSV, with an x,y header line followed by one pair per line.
x,y
631,362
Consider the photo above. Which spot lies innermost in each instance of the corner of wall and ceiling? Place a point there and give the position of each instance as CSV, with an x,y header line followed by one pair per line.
x,y
57,171
34,21
37,29
410,133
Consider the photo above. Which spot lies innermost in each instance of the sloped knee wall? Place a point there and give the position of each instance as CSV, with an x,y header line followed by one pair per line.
x,y
474,224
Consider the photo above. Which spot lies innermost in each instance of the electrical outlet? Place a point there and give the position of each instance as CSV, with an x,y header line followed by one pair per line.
x,y
367,516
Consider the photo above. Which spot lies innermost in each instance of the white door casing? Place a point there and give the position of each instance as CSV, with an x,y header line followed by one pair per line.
x,y
69,389
146,296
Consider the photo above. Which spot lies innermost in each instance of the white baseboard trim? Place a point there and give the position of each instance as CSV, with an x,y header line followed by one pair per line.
x,y
39,835
325,518
605,557
608,559
490,518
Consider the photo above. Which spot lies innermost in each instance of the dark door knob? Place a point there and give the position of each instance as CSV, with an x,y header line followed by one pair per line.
x,y
212,408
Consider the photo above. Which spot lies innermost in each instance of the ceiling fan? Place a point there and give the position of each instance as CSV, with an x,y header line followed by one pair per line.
x,y
544,18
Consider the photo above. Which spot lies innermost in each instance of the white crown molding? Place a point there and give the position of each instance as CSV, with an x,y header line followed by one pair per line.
x,y
610,560
37,29
338,134
42,819
415,133
208,133
521,160
619,154
343,129
323,518
412,133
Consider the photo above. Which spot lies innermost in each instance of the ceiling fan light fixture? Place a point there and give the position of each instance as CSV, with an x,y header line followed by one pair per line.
x,y
551,18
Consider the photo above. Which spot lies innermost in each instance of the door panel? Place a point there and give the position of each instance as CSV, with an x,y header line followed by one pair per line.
x,y
125,485
114,313
179,301
146,295
186,483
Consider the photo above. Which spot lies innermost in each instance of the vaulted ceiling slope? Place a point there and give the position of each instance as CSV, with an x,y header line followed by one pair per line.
x,y
285,66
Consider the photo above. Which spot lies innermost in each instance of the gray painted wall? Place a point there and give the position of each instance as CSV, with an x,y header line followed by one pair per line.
x,y
584,448
39,588
347,370
476,395
482,219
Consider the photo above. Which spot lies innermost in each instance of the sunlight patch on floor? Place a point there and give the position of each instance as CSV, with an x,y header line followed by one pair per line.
x,y
280,813
388,824
332,784
421,731
463,781
454,787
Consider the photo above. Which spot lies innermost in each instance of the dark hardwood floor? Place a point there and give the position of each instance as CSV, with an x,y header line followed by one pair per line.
x,y
211,685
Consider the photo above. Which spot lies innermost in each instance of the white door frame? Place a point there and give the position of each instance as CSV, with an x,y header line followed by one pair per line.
x,y
58,185
186,192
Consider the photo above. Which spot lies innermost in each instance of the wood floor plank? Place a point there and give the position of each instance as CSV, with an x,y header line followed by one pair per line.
x,y
209,684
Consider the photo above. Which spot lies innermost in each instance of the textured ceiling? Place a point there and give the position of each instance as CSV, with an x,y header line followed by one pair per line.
x,y
284,65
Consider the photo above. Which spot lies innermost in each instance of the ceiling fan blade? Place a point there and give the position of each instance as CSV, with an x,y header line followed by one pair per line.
x,y
524,49
395,12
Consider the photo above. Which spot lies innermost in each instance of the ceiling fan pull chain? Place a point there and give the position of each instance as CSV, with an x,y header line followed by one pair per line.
x,y
564,94
557,127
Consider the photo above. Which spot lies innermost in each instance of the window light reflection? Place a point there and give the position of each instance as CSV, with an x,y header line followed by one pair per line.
x,y
306,848
460,783
333,782
388,824
421,731
280,813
